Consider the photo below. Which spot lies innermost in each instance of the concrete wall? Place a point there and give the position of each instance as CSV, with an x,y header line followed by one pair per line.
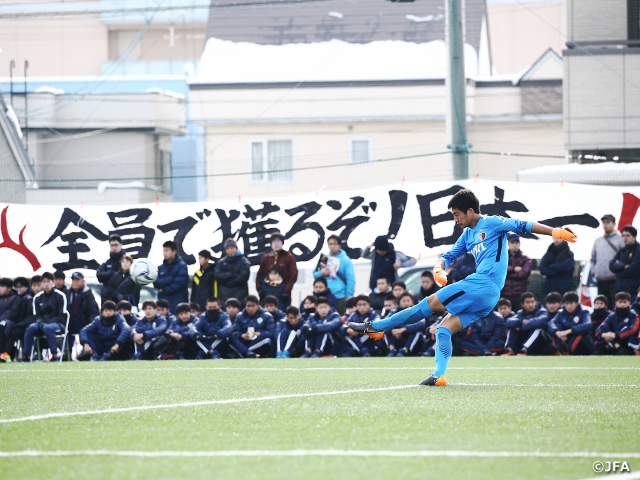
x,y
596,20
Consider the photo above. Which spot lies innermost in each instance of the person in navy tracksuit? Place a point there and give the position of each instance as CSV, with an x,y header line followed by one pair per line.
x,y
361,345
486,336
182,329
527,329
50,318
105,338
618,334
272,305
146,329
321,331
571,328
173,277
601,311
253,330
289,338
407,339
162,309
212,331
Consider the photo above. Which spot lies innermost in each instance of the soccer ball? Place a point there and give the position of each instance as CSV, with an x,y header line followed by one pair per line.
x,y
143,272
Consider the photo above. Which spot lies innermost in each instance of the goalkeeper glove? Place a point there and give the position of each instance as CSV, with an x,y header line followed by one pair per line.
x,y
439,276
565,234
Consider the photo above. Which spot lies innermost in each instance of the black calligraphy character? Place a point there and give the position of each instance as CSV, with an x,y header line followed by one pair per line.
x,y
307,210
225,227
256,236
136,237
183,227
348,224
429,220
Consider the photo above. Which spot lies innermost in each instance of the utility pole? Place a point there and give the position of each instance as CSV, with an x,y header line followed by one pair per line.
x,y
455,85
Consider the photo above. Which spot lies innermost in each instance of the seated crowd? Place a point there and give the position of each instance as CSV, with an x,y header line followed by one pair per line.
x,y
224,321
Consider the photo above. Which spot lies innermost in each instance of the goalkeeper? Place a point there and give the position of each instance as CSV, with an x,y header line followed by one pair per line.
x,y
475,296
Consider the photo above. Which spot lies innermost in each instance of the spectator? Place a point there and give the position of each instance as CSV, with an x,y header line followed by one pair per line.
x,y
398,288
385,260
182,330
232,307
337,269
290,340
357,345
409,339
105,338
518,271
162,309
626,263
390,306
350,309
232,273
427,286
557,266
321,332
9,313
485,336
253,330
151,326
600,311
278,256
212,331
462,268
271,305
321,289
49,311
310,304
121,286
203,280
526,330
603,251
273,284
195,308
502,306
14,330
618,334
125,310
571,329
58,282
173,278
552,302
380,293
112,265
81,304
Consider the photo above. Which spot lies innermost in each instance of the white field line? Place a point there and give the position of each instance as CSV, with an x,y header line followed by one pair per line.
x,y
315,453
281,397
618,476
53,369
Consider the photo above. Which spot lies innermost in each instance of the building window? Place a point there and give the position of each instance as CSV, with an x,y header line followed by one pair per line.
x,y
360,150
271,161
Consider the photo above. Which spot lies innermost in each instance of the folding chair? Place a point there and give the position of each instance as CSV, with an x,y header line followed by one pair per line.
x,y
65,344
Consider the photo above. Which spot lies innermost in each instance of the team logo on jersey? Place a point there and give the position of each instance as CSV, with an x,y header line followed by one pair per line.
x,y
482,236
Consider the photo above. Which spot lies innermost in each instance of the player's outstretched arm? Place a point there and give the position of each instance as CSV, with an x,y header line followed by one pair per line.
x,y
564,233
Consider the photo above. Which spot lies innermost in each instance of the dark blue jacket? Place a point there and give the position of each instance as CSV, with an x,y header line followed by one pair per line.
x,y
536,319
262,322
464,266
559,276
150,330
276,291
184,329
579,322
173,279
10,306
598,316
108,268
232,275
627,279
111,331
625,327
213,322
357,318
280,320
50,307
25,316
489,331
326,294
329,324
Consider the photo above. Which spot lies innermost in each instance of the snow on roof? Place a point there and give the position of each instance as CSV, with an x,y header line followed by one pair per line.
x,y
224,61
605,173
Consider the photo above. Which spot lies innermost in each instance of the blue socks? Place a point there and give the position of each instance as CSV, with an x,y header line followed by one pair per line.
x,y
443,350
405,317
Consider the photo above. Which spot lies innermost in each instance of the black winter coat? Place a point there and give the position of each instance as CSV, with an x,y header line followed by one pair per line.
x,y
121,287
202,287
232,275
86,310
108,268
627,279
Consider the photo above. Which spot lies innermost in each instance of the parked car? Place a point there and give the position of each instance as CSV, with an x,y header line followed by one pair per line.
x,y
412,276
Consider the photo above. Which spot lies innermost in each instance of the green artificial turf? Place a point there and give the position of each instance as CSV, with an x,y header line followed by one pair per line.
x,y
551,404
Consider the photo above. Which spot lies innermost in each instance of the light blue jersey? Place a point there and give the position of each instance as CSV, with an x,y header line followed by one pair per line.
x,y
487,242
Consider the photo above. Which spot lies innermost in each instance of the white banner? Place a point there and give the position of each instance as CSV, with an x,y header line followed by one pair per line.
x,y
38,238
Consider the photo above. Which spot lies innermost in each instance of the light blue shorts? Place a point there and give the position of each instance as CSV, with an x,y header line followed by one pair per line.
x,y
471,298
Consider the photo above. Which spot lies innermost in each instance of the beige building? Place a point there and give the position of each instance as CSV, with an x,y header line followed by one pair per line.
x,y
602,79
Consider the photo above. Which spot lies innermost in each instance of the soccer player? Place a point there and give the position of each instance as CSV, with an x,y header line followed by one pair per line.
x,y
475,296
